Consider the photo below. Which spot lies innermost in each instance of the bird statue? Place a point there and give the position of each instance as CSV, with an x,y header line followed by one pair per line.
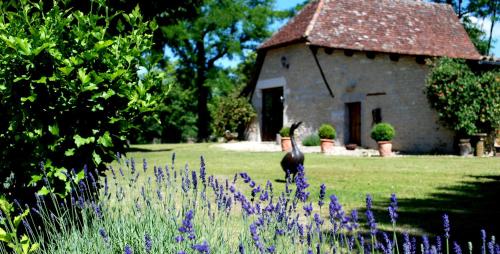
x,y
294,158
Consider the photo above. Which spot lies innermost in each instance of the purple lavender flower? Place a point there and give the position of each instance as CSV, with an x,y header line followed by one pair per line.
x,y
203,172
269,186
179,238
336,213
232,189
446,225
353,220
308,209
483,239
132,166
457,248
97,210
318,220
264,196
393,209
144,165
439,245
425,242
106,187
309,251
251,184
255,237
301,183
255,191
148,243
104,235
187,225
322,192
491,246
370,221
271,249
202,248
128,250
369,202
241,248
194,179
406,243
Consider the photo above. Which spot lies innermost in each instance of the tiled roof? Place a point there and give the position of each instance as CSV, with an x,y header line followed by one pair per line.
x,y
392,26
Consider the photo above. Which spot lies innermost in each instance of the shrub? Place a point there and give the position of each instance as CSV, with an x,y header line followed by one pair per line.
x,y
231,113
383,132
311,140
466,101
285,132
69,91
326,131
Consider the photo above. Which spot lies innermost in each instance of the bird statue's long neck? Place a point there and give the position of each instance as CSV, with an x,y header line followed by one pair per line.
x,y
295,148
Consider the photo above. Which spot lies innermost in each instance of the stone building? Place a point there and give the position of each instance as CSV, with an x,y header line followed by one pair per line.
x,y
353,63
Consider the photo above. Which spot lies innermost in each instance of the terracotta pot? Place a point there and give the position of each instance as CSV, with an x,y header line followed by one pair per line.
x,y
286,144
385,148
326,145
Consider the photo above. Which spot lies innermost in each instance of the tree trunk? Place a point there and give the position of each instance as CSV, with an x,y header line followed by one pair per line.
x,y
203,122
493,20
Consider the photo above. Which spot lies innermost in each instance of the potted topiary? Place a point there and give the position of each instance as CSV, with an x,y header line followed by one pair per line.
x,y
286,143
383,133
326,134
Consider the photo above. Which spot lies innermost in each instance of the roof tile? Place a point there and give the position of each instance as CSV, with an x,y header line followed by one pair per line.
x,y
391,26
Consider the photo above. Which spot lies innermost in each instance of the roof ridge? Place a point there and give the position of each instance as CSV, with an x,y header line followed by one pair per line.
x,y
314,18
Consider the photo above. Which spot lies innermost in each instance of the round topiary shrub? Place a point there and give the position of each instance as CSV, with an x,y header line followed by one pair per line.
x,y
383,132
311,140
326,131
285,132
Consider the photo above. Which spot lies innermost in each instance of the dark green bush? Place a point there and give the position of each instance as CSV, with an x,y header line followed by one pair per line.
x,y
467,101
311,140
383,132
326,131
69,91
231,113
285,132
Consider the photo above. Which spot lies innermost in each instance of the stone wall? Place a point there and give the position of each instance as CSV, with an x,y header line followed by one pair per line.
x,y
396,87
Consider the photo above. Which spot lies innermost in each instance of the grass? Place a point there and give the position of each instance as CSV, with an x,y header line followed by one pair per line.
x,y
426,186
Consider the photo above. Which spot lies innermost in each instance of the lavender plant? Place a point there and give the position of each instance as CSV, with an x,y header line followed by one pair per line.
x,y
184,211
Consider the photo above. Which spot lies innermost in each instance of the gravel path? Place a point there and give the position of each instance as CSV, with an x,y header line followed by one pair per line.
x,y
273,147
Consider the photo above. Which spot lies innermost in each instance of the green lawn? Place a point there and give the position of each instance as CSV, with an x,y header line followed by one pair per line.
x,y
426,186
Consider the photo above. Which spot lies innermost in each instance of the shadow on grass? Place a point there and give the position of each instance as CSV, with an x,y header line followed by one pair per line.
x,y
471,206
146,150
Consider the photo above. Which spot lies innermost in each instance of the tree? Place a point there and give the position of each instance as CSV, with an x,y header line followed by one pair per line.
x,y
69,91
487,9
220,29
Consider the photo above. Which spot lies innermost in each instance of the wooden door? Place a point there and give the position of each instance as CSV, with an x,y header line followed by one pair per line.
x,y
272,113
354,110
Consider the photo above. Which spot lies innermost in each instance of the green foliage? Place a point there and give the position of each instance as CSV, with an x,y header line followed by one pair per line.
x,y
220,29
232,113
285,132
383,132
311,140
69,90
466,102
20,244
326,131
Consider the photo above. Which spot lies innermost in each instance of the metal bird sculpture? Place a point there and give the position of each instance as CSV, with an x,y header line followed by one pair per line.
x,y
294,158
